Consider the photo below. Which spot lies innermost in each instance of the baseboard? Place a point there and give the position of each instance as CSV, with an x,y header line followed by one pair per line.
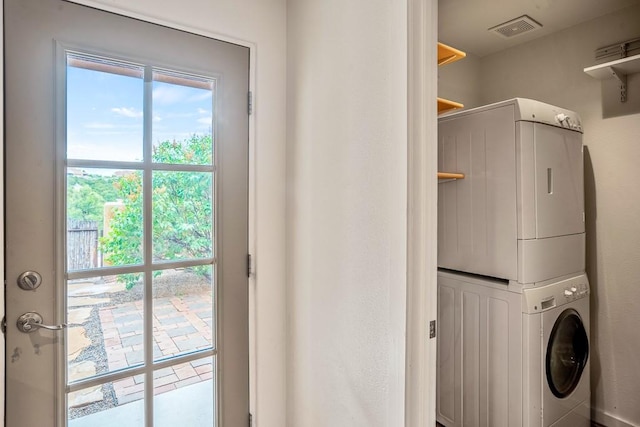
x,y
604,419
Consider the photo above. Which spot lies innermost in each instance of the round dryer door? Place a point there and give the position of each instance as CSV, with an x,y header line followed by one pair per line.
x,y
567,353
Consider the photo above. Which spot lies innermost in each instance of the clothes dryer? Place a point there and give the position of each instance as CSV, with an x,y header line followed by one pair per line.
x,y
518,214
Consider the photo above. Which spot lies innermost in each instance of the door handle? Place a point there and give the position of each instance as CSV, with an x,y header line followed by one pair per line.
x,y
31,321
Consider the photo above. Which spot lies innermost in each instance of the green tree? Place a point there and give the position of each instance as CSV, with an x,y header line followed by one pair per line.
x,y
86,196
181,210
84,203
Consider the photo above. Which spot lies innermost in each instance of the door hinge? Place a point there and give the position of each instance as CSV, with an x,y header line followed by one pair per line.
x,y
250,420
432,329
3,325
249,270
250,103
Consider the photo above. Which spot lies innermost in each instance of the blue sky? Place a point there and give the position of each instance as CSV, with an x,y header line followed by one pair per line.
x,y
104,114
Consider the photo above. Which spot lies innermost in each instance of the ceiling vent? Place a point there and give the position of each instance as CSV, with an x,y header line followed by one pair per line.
x,y
515,27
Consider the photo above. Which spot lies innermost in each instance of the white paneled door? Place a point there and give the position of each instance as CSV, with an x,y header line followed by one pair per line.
x,y
126,222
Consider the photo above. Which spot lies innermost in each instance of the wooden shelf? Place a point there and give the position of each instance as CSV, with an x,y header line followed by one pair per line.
x,y
444,105
624,66
450,175
448,54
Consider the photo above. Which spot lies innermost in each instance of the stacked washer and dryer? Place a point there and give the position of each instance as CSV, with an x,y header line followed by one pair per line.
x,y
513,306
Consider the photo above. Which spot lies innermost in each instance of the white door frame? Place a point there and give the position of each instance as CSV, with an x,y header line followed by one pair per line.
x,y
422,210
2,341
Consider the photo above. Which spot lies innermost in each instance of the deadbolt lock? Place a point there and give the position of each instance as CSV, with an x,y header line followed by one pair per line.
x,y
29,280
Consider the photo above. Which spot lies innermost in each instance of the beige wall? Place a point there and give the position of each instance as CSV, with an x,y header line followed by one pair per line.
x,y
263,25
347,210
460,81
550,69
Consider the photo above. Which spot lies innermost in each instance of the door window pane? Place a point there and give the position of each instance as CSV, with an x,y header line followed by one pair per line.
x,y
104,109
117,403
182,215
184,395
182,119
183,311
104,218
105,332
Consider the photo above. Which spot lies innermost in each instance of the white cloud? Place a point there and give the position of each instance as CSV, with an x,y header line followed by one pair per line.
x,y
205,120
127,112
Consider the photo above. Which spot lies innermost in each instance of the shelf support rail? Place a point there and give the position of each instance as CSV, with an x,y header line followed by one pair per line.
x,y
622,78
619,50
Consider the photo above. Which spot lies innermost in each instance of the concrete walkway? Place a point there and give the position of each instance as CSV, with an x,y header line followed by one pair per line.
x,y
190,406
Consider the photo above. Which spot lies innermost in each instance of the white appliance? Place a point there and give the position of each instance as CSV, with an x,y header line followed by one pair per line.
x,y
519,212
511,258
513,356
555,326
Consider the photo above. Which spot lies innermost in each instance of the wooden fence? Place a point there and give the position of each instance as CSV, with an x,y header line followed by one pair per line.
x,y
82,245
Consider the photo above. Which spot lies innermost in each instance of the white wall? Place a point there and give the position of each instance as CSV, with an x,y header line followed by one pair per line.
x,y
550,69
262,24
346,220
346,210
460,81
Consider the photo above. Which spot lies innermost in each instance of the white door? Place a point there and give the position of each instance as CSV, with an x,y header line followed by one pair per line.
x,y
126,221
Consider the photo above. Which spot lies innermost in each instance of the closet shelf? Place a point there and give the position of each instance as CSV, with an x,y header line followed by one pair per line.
x,y
629,65
618,70
450,175
444,105
448,54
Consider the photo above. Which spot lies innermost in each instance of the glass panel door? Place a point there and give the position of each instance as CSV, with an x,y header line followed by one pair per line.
x,y
126,221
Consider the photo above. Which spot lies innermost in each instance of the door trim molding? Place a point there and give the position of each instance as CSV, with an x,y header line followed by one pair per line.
x,y
420,380
2,242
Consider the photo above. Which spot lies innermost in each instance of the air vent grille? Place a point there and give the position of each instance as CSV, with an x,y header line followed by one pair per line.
x,y
515,27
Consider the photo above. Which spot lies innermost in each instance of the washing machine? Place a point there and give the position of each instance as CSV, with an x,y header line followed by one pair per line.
x,y
556,378
511,355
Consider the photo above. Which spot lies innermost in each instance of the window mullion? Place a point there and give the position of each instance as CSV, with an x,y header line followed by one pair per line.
x,y
148,242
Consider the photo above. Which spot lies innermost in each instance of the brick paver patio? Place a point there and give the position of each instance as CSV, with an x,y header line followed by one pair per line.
x,y
180,325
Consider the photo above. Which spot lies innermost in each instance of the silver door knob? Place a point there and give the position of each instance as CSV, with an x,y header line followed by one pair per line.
x,y
31,321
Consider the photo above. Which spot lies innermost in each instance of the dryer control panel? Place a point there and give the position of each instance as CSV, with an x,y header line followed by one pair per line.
x,y
536,111
546,297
